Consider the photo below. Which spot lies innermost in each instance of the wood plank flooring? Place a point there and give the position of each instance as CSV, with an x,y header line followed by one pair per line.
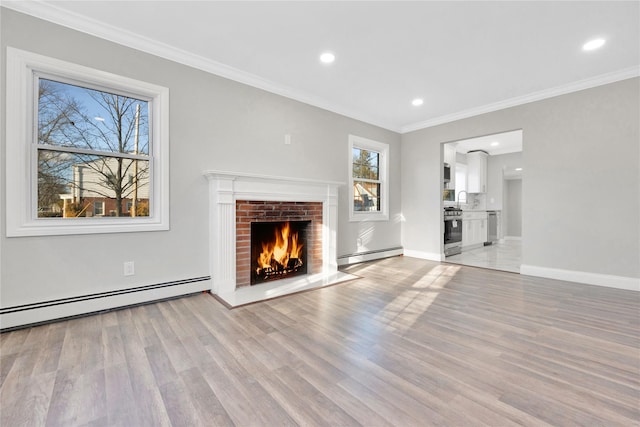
x,y
410,343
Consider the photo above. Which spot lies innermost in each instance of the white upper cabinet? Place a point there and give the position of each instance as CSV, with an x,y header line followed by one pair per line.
x,y
477,172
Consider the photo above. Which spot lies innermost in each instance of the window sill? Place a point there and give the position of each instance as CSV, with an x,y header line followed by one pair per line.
x,y
55,227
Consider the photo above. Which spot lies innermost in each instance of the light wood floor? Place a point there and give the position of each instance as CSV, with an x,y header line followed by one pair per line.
x,y
410,343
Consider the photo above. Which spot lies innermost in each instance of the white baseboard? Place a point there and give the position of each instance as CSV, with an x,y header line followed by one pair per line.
x,y
512,237
46,311
619,282
369,256
431,256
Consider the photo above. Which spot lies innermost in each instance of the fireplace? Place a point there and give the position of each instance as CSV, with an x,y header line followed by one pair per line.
x,y
260,220
278,250
237,200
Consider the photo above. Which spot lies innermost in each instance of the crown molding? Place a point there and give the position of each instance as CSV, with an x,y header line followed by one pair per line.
x,y
52,13
576,86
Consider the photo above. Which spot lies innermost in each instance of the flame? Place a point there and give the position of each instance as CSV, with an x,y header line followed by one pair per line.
x,y
279,251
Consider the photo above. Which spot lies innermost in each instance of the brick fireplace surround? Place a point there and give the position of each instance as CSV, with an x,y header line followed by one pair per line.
x,y
248,211
231,194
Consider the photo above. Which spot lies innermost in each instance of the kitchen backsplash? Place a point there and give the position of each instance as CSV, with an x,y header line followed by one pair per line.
x,y
476,202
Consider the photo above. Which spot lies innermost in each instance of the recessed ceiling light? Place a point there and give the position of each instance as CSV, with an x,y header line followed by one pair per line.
x,y
518,169
593,44
327,58
495,143
417,102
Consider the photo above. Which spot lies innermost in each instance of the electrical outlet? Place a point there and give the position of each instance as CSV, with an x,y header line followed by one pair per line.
x,y
129,268
287,139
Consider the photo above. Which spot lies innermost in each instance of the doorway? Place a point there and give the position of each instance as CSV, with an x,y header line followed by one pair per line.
x,y
488,173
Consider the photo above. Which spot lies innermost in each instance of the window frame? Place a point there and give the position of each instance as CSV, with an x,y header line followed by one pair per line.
x,y
23,70
383,174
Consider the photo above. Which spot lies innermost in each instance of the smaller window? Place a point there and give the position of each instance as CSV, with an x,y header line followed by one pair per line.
x,y
368,167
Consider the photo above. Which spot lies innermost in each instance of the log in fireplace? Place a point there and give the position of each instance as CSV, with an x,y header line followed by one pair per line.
x,y
278,250
304,221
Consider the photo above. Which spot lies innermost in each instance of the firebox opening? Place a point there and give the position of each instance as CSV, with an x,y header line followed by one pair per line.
x,y
278,250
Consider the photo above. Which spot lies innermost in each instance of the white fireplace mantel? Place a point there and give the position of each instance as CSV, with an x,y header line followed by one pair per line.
x,y
225,188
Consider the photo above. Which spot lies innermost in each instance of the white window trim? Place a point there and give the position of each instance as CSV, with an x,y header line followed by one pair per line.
x,y
19,164
383,149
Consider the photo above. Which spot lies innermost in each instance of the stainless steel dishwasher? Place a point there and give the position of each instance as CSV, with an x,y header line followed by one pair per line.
x,y
492,227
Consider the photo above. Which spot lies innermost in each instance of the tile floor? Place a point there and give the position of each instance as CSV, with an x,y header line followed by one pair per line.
x,y
506,256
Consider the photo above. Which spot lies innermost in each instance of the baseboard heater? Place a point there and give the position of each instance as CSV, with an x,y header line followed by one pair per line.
x,y
369,255
26,315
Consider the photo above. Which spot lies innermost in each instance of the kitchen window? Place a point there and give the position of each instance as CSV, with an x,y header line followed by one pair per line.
x,y
368,172
88,150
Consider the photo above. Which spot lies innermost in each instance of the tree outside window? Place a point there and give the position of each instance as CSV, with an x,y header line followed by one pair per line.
x,y
366,180
92,150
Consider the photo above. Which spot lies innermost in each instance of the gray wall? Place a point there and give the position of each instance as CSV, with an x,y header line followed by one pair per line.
x,y
581,161
215,124
513,208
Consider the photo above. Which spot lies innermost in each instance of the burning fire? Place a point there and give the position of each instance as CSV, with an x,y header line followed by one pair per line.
x,y
282,253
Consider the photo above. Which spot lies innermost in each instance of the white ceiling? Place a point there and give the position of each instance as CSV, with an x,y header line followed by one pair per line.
x,y
462,58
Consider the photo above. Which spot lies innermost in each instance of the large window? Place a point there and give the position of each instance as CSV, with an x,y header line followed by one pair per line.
x,y
368,174
86,149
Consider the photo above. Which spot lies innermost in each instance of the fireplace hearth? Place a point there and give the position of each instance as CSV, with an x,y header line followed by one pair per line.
x,y
278,250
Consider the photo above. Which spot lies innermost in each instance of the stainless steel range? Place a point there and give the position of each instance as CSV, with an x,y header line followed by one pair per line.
x,y
452,231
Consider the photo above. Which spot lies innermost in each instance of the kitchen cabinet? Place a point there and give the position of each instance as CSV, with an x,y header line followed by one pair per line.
x,y
474,229
477,172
